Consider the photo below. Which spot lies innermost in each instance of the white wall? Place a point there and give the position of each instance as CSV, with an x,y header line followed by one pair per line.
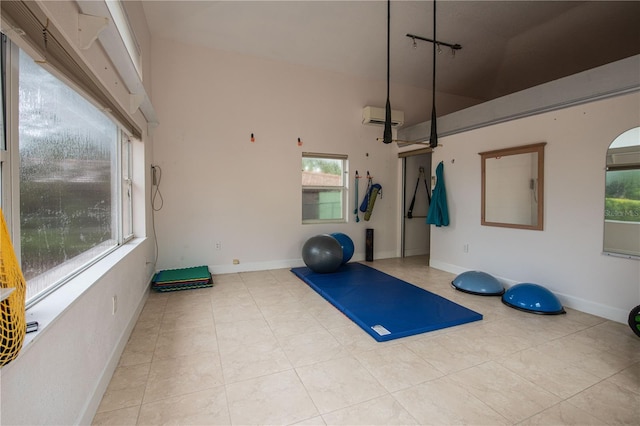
x,y
566,256
62,371
219,187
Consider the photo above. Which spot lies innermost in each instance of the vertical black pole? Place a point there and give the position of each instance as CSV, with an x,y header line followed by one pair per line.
x,y
369,245
387,136
433,138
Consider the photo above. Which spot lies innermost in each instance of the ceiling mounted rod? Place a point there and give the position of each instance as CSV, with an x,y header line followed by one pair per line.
x,y
455,46
387,134
433,138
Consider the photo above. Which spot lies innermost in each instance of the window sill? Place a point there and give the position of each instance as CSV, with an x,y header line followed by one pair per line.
x,y
47,311
322,221
622,255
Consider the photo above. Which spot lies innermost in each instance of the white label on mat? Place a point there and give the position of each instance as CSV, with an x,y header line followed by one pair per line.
x,y
380,330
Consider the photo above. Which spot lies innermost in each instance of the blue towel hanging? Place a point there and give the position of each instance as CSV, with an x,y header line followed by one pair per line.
x,y
438,211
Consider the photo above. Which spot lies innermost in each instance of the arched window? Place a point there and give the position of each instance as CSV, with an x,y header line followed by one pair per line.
x,y
622,196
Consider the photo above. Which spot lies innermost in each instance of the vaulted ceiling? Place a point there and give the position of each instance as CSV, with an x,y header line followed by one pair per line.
x,y
507,46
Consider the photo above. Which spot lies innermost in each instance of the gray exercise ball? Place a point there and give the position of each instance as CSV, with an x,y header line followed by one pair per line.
x,y
322,254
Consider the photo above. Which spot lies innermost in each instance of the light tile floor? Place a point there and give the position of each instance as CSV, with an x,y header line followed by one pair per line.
x,y
263,348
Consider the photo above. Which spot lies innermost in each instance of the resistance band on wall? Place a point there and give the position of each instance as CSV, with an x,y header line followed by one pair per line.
x,y
373,189
156,177
355,210
415,191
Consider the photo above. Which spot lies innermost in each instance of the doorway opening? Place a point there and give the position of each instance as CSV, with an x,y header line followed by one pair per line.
x,y
416,172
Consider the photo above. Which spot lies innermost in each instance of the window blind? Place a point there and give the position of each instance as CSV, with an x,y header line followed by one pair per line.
x,y
327,156
42,36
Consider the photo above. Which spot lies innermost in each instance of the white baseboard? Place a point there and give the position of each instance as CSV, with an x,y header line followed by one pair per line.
x,y
284,264
415,252
593,308
255,266
586,306
447,267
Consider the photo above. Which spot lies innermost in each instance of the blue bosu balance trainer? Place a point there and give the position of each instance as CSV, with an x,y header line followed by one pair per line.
x,y
477,282
532,298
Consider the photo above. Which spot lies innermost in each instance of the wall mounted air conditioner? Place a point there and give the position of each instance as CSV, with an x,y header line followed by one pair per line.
x,y
376,116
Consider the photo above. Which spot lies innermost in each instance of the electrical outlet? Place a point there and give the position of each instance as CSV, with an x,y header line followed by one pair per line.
x,y
465,248
218,245
114,302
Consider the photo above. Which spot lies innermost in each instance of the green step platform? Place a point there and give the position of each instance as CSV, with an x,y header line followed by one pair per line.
x,y
182,279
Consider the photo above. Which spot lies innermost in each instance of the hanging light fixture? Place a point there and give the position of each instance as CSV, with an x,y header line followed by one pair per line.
x,y
433,137
387,137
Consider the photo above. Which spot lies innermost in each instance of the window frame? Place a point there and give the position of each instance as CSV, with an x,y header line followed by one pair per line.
x,y
621,214
126,180
120,19
344,196
623,155
121,177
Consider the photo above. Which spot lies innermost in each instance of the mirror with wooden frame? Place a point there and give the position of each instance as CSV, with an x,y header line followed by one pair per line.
x,y
622,196
513,187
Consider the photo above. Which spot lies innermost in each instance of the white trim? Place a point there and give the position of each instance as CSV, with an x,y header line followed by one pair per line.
x,y
89,28
593,308
117,52
587,86
49,309
285,264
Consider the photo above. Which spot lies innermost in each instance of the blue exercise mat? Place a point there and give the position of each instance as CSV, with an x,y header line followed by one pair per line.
x,y
385,307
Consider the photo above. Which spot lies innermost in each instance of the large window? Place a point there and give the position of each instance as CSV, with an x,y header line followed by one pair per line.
x,y
323,188
71,187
